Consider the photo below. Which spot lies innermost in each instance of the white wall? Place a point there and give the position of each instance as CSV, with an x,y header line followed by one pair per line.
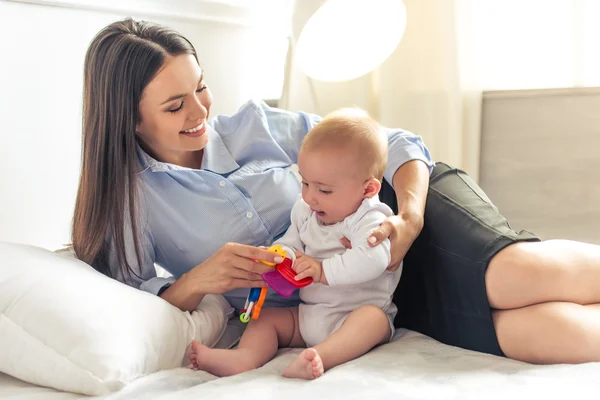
x,y
241,49
539,154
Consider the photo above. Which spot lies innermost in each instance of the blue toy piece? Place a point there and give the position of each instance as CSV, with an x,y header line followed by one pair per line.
x,y
254,303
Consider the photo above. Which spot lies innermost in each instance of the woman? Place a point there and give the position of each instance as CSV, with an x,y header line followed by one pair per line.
x,y
160,184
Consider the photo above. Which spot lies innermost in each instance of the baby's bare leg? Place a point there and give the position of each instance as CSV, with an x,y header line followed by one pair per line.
x,y
352,340
276,327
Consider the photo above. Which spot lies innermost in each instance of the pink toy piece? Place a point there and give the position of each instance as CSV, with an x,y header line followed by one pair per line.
x,y
279,284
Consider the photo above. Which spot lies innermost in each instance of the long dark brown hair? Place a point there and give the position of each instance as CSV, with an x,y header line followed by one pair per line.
x,y
120,61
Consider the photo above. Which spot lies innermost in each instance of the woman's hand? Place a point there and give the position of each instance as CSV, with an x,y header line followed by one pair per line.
x,y
233,266
411,182
402,232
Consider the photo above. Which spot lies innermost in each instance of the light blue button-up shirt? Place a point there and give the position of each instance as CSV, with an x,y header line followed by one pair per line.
x,y
243,193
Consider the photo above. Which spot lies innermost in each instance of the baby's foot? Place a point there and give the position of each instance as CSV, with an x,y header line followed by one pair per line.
x,y
198,351
221,362
307,365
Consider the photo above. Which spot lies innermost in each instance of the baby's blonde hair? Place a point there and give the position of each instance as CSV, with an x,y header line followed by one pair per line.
x,y
354,130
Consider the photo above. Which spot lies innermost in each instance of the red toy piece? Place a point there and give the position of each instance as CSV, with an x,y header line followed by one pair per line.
x,y
283,281
285,269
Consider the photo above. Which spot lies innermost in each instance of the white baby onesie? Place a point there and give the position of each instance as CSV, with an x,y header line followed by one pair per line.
x,y
356,276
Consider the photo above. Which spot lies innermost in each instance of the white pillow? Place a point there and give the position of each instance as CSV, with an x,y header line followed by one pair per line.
x,y
66,326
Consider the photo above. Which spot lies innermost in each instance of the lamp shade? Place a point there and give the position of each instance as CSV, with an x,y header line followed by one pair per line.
x,y
345,39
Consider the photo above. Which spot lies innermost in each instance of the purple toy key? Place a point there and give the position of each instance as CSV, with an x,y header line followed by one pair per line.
x,y
279,284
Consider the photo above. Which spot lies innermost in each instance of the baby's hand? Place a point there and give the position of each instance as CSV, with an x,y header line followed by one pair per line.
x,y
307,267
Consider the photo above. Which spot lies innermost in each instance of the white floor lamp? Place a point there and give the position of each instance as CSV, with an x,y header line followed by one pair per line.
x,y
345,39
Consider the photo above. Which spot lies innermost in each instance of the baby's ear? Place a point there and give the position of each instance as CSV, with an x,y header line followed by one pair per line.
x,y
372,187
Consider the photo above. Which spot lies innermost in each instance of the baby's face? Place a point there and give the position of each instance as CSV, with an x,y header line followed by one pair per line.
x,y
329,184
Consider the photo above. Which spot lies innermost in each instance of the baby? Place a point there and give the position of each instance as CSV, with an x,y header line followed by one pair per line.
x,y
348,309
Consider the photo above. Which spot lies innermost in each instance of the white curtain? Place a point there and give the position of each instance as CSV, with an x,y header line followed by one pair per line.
x,y
419,88
451,51
429,85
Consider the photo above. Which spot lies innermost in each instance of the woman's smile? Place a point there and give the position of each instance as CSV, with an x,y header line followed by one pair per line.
x,y
196,131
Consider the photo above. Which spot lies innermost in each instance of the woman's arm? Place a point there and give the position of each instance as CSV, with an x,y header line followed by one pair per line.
x,y
184,294
231,267
411,182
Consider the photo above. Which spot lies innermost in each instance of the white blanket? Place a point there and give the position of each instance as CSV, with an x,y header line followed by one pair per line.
x,y
411,367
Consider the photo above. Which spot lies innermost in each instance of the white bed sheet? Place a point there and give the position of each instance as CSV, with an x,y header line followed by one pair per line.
x,y
412,367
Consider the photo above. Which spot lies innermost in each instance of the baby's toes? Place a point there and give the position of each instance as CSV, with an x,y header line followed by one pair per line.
x,y
317,367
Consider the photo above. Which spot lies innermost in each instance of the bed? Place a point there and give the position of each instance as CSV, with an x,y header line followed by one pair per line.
x,y
413,366
132,345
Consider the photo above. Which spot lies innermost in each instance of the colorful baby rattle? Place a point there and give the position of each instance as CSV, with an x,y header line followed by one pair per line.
x,y
281,279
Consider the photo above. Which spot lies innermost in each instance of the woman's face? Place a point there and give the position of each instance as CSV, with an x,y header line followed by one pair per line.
x,y
174,108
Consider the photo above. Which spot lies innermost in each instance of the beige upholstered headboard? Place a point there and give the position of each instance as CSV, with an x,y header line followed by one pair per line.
x,y
540,160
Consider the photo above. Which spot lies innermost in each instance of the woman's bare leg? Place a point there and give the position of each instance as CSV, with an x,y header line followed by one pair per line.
x,y
529,273
550,333
545,295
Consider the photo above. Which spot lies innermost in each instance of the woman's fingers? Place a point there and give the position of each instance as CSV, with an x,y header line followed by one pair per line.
x,y
398,228
251,266
254,253
383,232
238,273
394,267
347,244
246,284
241,278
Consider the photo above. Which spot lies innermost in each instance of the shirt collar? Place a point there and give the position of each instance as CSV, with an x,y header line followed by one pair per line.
x,y
216,157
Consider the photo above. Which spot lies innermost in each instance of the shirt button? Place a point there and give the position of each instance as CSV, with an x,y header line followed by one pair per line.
x,y
249,214
268,242
222,183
